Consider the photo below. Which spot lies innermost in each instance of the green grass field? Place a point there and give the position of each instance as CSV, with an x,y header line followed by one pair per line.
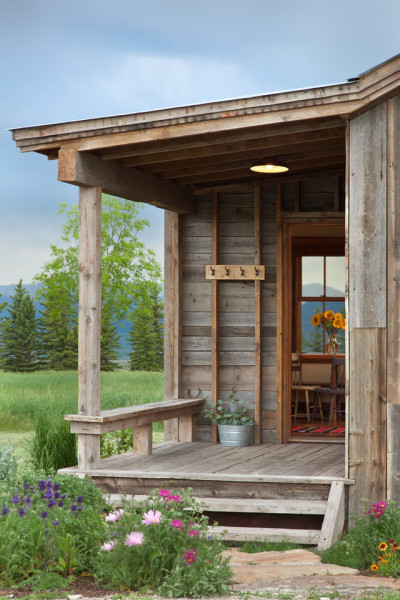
x,y
25,395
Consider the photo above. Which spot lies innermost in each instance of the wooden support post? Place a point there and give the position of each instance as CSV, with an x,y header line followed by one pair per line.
x,y
214,313
281,420
187,424
143,439
89,265
172,318
258,315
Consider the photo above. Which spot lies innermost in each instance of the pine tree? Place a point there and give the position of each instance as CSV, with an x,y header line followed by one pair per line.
x,y
59,337
19,346
146,334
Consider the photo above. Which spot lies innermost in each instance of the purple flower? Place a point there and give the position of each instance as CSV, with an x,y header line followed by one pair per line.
x,y
42,485
5,511
26,486
57,495
55,523
79,499
48,494
44,515
61,503
74,507
51,503
63,496
79,508
56,487
15,499
21,512
28,501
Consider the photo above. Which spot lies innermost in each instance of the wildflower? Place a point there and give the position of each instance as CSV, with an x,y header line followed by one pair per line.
x,y
21,512
15,499
108,546
190,556
42,485
135,538
79,499
48,494
193,532
374,567
63,496
151,516
51,503
26,486
382,546
74,507
164,493
61,503
28,501
177,524
44,515
55,523
114,516
5,511
56,487
79,508
57,495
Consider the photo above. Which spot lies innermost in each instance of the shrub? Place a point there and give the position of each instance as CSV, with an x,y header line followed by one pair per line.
x,y
53,447
359,548
48,526
163,544
8,461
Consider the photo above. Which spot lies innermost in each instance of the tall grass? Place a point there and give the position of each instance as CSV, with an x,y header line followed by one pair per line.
x,y
25,396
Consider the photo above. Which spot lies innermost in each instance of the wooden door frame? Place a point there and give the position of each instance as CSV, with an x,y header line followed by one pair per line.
x,y
287,229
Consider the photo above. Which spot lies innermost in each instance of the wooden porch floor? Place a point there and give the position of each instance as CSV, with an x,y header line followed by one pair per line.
x,y
210,467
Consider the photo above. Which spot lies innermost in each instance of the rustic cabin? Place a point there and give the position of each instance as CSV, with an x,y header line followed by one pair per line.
x,y
277,208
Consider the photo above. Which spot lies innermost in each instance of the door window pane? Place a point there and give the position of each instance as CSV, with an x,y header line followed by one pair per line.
x,y
335,275
311,336
312,276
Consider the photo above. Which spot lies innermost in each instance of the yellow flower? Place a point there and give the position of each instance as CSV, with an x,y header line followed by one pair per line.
x,y
382,546
315,320
343,324
374,567
337,323
338,316
329,315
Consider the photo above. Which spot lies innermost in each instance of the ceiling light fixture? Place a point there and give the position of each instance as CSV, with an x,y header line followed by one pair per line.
x,y
269,166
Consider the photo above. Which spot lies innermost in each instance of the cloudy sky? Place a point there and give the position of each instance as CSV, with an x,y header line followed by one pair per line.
x,y
62,60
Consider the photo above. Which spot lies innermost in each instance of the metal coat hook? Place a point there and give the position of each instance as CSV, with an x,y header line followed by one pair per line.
x,y
256,270
242,271
212,271
226,271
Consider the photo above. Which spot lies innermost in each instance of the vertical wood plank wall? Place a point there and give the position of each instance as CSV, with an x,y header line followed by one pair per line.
x,y
374,304
236,305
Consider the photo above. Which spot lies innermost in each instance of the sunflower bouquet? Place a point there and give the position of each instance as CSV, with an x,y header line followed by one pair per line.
x,y
332,322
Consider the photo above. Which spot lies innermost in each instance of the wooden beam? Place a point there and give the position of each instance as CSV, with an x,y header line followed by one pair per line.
x,y
214,313
172,317
89,265
281,420
257,315
87,170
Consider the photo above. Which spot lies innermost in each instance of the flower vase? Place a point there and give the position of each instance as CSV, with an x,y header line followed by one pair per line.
x,y
333,344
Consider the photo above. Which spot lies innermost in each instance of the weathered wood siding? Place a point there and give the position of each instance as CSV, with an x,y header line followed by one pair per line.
x,y
236,305
373,222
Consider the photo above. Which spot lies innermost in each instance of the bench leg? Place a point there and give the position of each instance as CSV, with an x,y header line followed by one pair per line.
x,y
143,439
88,451
187,428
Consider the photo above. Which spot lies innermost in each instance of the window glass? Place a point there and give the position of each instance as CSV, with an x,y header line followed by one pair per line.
x,y
335,275
312,276
311,336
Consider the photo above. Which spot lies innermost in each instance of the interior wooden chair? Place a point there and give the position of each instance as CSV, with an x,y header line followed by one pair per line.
x,y
298,386
335,391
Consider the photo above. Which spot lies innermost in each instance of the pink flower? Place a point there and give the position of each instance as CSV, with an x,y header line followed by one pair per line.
x,y
115,516
108,546
151,517
135,538
193,532
164,493
190,556
176,523
172,497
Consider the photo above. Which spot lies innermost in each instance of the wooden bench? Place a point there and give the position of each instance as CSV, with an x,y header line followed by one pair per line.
x,y
141,418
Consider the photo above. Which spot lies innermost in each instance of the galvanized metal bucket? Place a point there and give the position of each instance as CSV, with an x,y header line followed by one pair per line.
x,y
235,435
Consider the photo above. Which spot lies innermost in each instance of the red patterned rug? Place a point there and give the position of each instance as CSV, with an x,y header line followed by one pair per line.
x,y
310,430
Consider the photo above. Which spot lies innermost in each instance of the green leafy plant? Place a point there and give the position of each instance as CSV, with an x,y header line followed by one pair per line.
x,y
164,544
48,526
236,414
379,524
8,461
53,446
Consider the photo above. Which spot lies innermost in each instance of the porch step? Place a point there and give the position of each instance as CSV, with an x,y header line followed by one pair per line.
x,y
332,511
308,537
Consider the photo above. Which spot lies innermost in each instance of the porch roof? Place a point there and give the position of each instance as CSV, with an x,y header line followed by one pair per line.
x,y
165,157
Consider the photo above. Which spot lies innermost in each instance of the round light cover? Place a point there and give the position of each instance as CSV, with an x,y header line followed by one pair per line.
x,y
269,166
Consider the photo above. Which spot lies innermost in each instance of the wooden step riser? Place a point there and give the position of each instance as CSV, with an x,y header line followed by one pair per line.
x,y
263,534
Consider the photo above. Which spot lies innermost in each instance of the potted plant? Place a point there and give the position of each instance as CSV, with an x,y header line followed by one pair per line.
x,y
235,425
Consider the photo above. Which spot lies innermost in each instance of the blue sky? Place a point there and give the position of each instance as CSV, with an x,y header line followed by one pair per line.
x,y
63,60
